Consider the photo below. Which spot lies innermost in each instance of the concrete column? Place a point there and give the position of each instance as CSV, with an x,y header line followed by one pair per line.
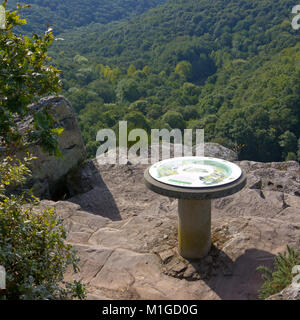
x,y
194,228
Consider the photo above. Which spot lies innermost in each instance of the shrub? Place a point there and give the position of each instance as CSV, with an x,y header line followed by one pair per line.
x,y
25,77
281,276
32,246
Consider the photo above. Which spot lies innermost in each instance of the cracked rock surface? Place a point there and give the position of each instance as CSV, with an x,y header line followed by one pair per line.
x,y
126,235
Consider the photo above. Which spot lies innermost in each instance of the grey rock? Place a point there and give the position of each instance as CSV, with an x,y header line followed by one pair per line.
x,y
218,151
289,293
274,176
49,172
128,256
166,255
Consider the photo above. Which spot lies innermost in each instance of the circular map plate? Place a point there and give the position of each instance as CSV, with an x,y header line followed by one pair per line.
x,y
195,172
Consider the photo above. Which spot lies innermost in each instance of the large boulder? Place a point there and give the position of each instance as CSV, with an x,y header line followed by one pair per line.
x,y
216,150
49,172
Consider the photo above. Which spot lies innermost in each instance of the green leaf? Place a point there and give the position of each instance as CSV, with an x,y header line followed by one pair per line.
x,y
58,131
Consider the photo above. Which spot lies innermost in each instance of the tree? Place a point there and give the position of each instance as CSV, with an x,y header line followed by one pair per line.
x,y
24,78
291,156
184,68
190,112
131,70
80,59
174,120
127,90
288,142
139,105
137,120
103,89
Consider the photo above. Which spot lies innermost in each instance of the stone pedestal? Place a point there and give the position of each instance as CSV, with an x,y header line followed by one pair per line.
x,y
194,212
194,228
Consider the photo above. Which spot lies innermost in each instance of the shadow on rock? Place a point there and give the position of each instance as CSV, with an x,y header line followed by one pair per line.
x,y
230,280
88,189
239,279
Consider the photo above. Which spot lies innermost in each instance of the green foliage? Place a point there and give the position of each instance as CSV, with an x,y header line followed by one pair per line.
x,y
184,68
135,120
190,30
281,276
24,78
140,106
127,90
75,13
32,243
131,70
288,141
111,75
291,156
174,120
235,62
80,59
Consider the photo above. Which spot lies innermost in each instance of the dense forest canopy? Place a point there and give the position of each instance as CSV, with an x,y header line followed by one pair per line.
x,y
64,15
230,67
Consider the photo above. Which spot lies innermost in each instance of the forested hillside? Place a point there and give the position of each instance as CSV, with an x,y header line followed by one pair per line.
x,y
230,67
66,15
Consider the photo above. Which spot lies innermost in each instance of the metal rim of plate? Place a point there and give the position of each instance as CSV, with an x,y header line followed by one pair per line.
x,y
190,181
202,193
